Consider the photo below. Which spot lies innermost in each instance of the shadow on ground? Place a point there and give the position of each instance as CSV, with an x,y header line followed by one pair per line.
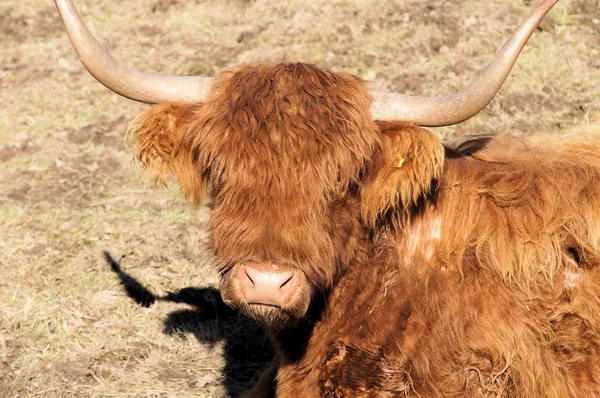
x,y
246,347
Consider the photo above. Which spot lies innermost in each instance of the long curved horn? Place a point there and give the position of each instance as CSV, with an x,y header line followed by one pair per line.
x,y
138,86
466,103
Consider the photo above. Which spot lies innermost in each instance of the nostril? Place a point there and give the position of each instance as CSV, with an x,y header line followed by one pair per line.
x,y
287,280
248,275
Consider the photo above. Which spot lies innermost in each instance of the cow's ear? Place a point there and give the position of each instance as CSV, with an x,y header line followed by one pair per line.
x,y
405,168
161,136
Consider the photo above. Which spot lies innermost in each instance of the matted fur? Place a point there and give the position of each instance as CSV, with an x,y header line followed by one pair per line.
x,y
469,276
523,208
491,290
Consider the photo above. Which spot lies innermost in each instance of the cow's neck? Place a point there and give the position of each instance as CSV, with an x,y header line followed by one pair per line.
x,y
371,303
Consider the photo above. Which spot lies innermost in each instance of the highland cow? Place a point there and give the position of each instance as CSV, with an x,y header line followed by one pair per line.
x,y
381,263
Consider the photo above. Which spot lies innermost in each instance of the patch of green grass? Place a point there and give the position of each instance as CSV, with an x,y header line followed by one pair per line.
x,y
11,211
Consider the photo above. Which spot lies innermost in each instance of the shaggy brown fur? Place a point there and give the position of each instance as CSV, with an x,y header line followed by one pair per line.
x,y
466,276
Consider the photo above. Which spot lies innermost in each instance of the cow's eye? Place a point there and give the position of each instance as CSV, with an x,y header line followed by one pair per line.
x,y
574,253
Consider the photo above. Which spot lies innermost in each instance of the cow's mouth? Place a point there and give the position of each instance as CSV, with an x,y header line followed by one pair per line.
x,y
271,317
258,305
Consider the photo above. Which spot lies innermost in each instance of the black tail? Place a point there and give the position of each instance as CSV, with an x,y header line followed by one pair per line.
x,y
134,289
468,147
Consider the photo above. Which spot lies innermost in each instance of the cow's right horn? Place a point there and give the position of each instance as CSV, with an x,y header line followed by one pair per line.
x,y
143,87
466,103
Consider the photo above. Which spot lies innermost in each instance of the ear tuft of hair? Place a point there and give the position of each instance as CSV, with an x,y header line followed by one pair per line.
x,y
404,169
162,137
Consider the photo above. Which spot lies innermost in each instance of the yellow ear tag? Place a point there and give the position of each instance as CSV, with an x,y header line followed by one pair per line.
x,y
399,162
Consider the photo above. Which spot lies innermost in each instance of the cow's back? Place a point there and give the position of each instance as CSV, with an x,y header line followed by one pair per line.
x,y
521,224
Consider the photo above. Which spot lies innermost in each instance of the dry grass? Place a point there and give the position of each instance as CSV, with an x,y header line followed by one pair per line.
x,y
68,190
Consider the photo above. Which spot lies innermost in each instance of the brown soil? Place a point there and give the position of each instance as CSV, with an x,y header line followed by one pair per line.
x,y
69,191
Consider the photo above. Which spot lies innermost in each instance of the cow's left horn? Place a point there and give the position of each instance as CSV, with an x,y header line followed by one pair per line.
x,y
466,103
143,87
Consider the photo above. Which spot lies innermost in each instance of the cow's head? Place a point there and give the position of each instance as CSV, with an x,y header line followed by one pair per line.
x,y
296,167
289,156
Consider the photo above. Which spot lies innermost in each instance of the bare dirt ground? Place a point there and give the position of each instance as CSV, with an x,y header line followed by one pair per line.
x,y
69,191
